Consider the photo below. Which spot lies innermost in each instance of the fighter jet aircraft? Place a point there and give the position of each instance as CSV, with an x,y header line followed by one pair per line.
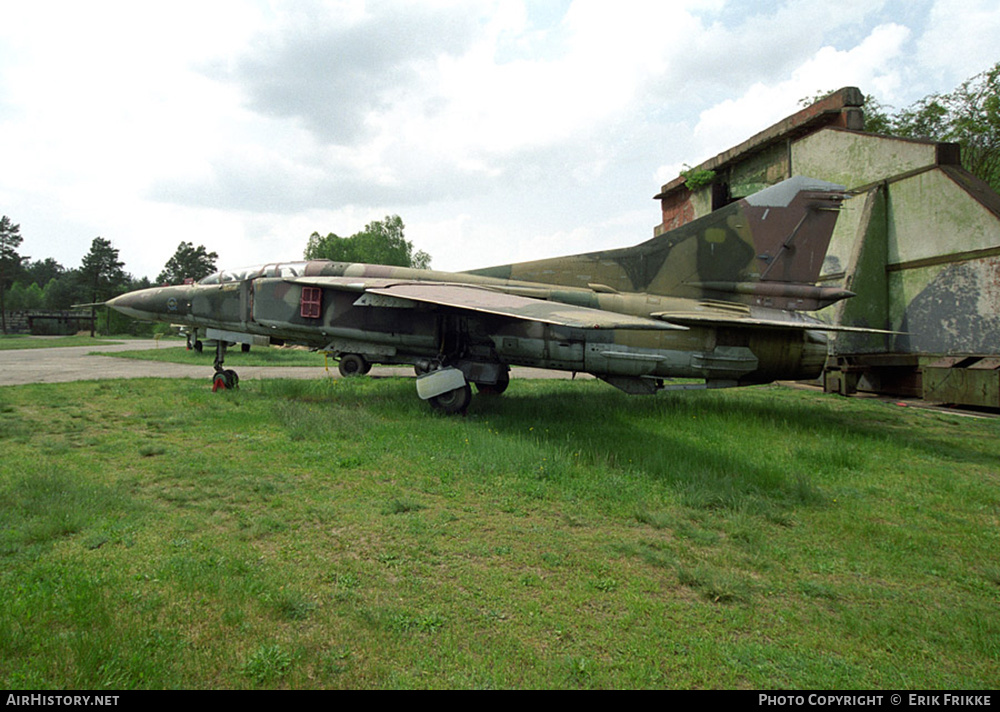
x,y
718,300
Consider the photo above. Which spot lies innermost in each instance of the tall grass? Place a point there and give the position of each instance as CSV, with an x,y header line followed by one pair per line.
x,y
341,534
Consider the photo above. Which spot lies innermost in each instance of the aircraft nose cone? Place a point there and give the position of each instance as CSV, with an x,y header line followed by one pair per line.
x,y
130,305
149,304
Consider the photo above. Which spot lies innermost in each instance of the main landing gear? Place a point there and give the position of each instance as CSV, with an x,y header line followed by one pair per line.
x,y
453,401
353,365
224,379
494,389
449,388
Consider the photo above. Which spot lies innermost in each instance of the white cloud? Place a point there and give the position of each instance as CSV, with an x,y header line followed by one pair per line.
x,y
498,129
865,65
962,39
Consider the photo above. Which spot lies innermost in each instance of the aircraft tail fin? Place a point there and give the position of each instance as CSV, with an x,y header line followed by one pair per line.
x,y
766,250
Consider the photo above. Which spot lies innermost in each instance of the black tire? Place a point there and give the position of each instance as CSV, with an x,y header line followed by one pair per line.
x,y
452,402
198,346
245,348
495,389
232,379
353,365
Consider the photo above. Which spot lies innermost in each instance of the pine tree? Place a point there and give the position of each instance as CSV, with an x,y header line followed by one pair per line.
x,y
10,260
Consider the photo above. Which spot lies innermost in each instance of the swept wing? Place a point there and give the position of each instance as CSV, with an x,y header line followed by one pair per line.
x,y
487,301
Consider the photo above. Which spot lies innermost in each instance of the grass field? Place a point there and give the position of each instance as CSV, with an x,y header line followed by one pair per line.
x,y
339,534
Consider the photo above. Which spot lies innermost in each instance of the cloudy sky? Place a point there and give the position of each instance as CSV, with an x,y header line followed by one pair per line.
x,y
499,130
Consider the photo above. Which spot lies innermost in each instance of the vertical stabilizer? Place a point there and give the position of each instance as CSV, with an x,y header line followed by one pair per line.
x,y
766,249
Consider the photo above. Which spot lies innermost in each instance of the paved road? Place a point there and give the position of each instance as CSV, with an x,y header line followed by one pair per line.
x,y
79,363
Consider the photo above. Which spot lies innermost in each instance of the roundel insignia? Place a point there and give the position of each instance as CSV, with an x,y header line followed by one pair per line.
x,y
172,304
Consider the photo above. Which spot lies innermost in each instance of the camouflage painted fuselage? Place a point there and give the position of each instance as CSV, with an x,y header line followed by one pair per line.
x,y
391,329
714,300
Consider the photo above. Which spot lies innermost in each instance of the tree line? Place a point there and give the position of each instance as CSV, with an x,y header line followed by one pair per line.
x,y
44,284
382,242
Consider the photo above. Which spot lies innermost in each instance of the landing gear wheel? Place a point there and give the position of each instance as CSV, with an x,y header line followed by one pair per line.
x,y
353,365
495,389
245,348
198,346
422,367
225,381
456,401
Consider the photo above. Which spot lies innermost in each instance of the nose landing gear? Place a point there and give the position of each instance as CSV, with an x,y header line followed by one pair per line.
x,y
224,379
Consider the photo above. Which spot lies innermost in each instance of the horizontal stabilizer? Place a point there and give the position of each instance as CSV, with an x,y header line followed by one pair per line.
x,y
807,296
800,324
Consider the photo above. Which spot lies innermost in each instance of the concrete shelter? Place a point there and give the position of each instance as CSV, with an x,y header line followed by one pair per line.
x,y
918,241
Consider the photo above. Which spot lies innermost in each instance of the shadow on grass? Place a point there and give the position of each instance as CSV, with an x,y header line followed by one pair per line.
x,y
761,450
760,446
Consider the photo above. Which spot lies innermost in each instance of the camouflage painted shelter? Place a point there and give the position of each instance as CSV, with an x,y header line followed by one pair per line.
x,y
918,241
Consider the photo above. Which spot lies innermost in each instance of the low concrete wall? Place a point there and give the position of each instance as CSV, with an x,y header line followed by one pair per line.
x,y
46,323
